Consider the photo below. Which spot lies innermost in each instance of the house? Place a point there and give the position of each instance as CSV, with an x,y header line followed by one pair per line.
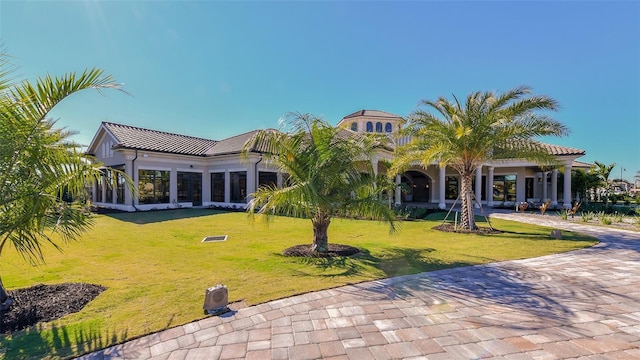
x,y
173,170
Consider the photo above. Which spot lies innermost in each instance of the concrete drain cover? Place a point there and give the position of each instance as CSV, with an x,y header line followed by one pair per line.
x,y
215,238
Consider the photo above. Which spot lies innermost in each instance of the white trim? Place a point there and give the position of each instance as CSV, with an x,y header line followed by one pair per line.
x,y
145,167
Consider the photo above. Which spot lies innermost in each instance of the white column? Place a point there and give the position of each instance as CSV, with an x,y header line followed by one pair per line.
x,y
554,187
398,194
544,187
566,197
441,187
490,186
478,189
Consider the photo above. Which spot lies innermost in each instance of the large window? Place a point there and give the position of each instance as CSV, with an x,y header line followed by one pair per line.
x,y
388,127
504,188
99,185
379,127
528,188
190,187
452,188
369,126
153,187
238,183
217,187
120,185
107,174
354,126
268,179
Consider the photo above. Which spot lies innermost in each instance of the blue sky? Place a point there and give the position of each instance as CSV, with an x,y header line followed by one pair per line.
x,y
216,69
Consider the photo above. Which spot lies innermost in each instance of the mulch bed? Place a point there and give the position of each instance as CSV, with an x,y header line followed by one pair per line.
x,y
446,227
42,303
335,250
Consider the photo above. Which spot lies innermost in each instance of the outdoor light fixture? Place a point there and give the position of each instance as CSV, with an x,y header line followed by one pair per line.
x,y
216,299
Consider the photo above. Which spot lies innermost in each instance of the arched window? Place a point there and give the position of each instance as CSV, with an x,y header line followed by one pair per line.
x,y
354,126
369,126
387,127
378,127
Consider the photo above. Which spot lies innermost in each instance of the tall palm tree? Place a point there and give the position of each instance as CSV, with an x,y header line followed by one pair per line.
x,y
603,171
329,174
487,126
39,167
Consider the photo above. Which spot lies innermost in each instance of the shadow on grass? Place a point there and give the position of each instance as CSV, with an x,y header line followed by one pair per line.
x,y
148,217
56,342
394,262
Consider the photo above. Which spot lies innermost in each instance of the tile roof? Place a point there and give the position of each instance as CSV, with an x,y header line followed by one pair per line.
x,y
235,144
561,150
371,113
131,137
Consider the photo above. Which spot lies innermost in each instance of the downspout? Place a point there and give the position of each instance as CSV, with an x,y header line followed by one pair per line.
x,y
133,172
256,172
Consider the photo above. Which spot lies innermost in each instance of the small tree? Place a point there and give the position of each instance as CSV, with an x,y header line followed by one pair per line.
x,y
329,174
40,169
582,181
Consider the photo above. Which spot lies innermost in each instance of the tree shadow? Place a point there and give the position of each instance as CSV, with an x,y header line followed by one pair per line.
x,y
39,342
395,261
148,217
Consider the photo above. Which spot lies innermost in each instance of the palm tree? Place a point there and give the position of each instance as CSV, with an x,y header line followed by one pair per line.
x,y
487,126
329,174
603,171
582,181
39,166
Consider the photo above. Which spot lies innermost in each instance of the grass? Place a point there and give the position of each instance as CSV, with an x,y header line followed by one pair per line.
x,y
156,268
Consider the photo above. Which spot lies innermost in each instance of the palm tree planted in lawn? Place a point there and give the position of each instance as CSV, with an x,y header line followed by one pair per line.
x,y
40,168
487,126
328,174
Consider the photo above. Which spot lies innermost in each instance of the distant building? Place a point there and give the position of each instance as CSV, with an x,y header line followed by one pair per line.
x,y
172,170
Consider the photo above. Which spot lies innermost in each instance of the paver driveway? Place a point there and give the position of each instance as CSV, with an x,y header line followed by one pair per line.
x,y
583,304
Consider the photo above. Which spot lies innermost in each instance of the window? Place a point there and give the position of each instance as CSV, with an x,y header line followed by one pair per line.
x,y
153,187
120,185
267,179
388,127
369,126
99,186
354,126
379,127
504,188
107,174
217,187
528,188
238,182
451,191
190,187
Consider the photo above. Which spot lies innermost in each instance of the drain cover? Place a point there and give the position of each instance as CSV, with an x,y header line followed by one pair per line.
x,y
215,238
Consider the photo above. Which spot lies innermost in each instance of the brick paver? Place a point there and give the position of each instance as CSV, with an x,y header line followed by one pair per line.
x,y
582,304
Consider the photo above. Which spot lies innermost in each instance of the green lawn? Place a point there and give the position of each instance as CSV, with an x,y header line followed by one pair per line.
x,y
156,268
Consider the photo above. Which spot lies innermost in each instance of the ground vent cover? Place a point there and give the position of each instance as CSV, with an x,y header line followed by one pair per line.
x,y
216,238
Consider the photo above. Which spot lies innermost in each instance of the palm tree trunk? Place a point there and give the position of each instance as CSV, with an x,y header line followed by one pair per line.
x,y
5,300
320,237
468,220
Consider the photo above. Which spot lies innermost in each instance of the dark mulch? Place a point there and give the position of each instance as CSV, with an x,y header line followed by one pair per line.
x,y
446,227
42,303
334,251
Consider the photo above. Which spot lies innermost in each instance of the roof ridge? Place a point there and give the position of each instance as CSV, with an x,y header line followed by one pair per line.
x,y
158,131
